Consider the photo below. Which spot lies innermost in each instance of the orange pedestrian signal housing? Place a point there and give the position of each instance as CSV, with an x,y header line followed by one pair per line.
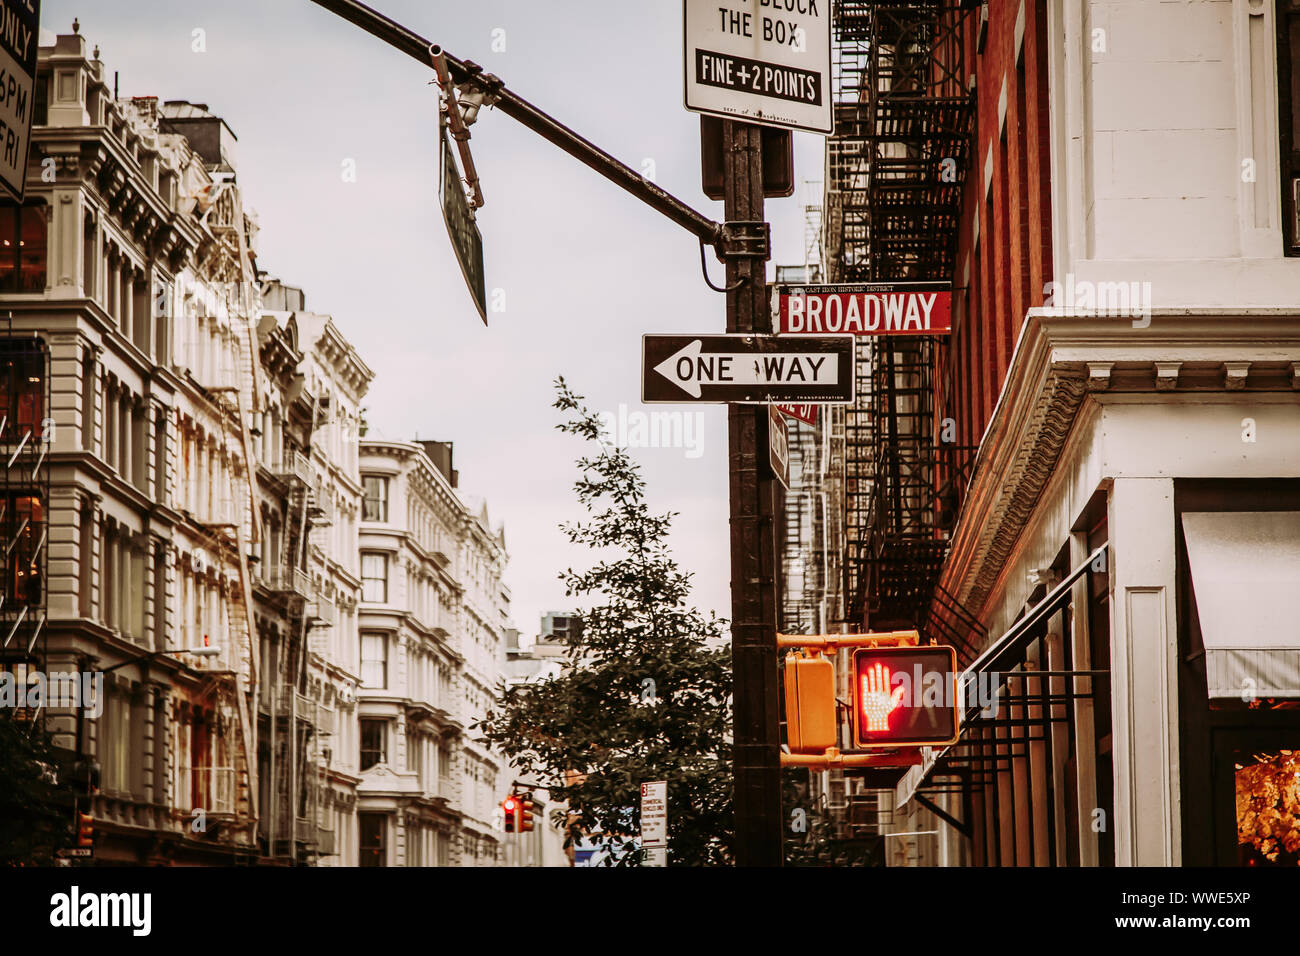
x,y
809,704
904,696
85,829
526,813
510,806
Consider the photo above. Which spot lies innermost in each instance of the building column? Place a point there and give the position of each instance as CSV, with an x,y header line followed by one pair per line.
x,y
125,300
1143,673
113,286
63,273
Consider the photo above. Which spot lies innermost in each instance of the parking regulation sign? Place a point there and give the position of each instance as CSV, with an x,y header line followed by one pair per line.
x,y
762,61
19,20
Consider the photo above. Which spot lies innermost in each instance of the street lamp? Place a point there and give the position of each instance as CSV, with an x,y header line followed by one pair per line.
x,y
211,651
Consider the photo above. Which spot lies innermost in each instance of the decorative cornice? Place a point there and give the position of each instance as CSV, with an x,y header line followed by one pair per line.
x,y
1036,458
1061,359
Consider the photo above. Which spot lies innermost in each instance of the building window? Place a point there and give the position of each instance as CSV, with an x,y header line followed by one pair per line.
x,y
374,660
414,755
23,253
375,505
374,577
24,530
374,742
22,388
374,830
1288,76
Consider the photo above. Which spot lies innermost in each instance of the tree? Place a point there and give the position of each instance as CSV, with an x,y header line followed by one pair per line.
x,y
33,821
646,694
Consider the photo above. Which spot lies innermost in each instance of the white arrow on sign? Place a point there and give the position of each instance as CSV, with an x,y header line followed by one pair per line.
x,y
688,369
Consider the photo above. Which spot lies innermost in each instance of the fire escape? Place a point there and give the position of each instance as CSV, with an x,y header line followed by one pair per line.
x,y
25,436
895,167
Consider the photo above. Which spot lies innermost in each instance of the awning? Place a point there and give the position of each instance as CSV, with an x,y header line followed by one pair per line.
x,y
1245,568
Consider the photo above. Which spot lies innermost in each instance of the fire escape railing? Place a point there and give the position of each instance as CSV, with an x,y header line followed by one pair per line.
x,y
895,168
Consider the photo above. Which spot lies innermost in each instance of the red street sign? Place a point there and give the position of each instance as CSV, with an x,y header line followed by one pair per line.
x,y
888,308
805,413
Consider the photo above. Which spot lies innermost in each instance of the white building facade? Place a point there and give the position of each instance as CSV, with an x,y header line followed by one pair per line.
x,y
432,621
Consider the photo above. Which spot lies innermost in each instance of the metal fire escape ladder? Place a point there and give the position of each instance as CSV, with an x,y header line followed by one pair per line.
x,y
25,436
895,168
288,759
224,217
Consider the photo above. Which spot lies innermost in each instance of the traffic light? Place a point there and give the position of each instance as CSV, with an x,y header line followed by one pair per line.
x,y
809,704
526,813
511,808
85,829
904,696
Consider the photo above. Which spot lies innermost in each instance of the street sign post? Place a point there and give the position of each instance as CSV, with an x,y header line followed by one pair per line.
x,y
760,61
18,42
883,308
654,822
69,852
747,369
778,445
462,229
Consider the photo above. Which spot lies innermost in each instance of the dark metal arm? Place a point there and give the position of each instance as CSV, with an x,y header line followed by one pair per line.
x,y
514,106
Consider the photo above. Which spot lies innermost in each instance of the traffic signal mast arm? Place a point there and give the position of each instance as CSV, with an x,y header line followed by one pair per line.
x,y
833,642
462,72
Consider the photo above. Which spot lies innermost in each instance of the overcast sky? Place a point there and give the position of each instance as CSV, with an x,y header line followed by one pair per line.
x,y
585,268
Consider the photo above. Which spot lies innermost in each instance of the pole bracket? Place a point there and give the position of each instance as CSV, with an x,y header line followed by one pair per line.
x,y
744,240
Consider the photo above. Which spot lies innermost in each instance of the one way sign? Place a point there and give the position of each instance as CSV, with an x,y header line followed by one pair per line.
x,y
753,369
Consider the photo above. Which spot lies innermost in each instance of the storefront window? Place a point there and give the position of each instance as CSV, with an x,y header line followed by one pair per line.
x,y
1268,807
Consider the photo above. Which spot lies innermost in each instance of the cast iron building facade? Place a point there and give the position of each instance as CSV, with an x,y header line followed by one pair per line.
x,y
184,476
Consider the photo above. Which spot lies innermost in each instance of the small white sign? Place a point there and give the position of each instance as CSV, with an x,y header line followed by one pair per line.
x,y
763,61
654,814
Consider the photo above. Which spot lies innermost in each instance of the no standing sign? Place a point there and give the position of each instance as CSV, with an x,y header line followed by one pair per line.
x,y
762,61
19,20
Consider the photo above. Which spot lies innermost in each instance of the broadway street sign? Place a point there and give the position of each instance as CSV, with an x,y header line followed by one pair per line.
x,y
763,61
462,229
19,20
891,308
752,369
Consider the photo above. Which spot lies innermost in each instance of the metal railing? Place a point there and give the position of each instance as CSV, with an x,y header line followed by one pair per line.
x,y
288,581
322,612
212,789
293,465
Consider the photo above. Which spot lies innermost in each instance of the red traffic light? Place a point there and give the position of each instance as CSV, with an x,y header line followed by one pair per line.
x,y
85,829
904,696
526,814
510,806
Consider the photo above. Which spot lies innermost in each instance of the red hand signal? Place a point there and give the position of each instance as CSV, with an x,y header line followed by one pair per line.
x,y
876,701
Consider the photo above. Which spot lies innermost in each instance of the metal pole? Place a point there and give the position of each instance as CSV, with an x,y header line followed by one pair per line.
x,y
514,106
757,766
